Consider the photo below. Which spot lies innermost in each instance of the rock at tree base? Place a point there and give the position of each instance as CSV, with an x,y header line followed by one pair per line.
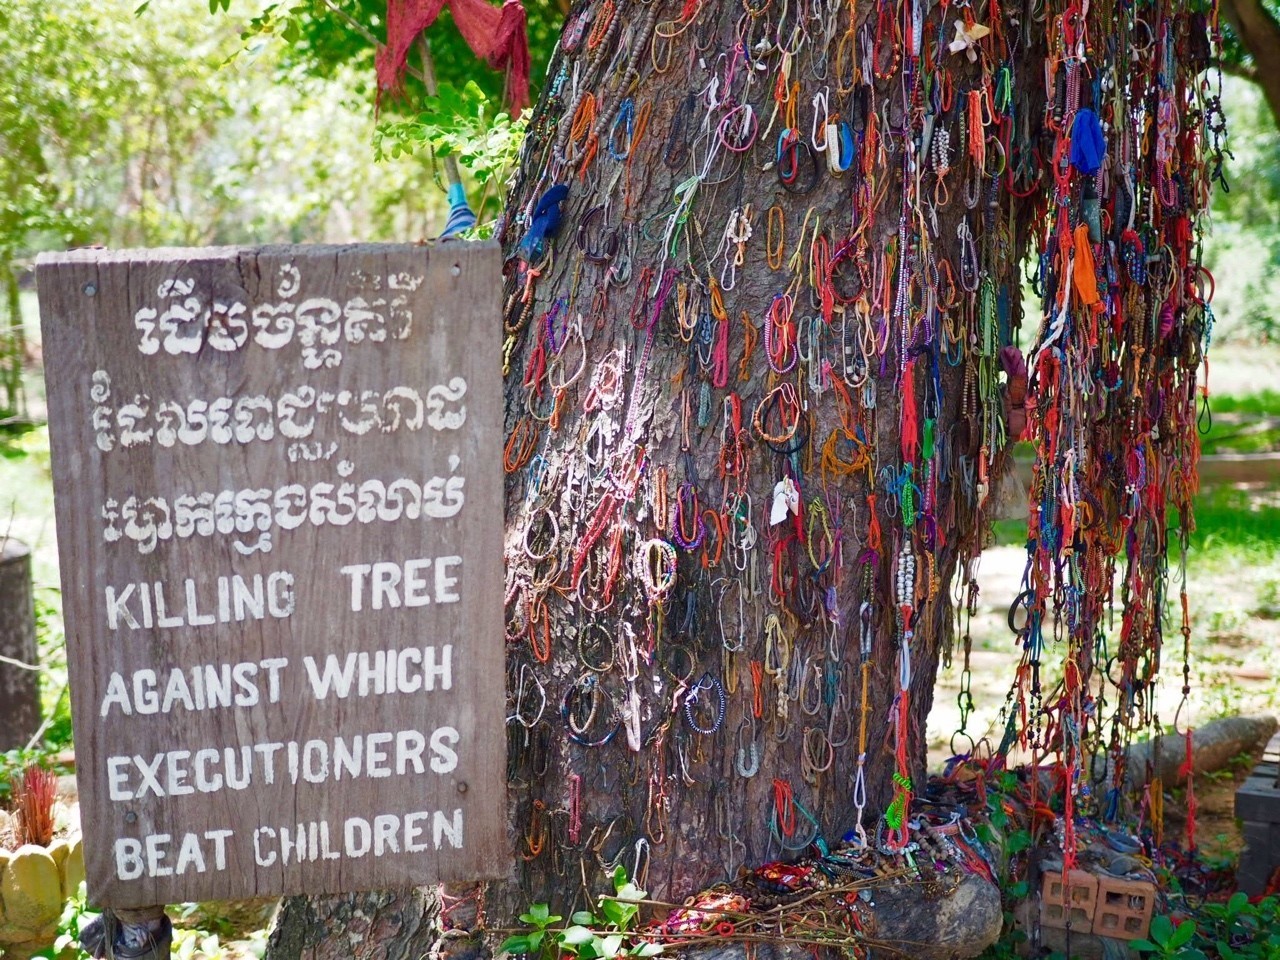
x,y
920,920
35,883
962,923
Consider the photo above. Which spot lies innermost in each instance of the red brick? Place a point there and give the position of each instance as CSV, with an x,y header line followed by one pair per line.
x,y
1084,899
1124,908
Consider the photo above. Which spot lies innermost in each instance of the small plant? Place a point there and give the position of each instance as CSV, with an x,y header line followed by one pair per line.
x,y
76,915
32,795
1169,941
1240,930
589,937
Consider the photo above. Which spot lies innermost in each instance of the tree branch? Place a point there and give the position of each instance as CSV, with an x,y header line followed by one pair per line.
x,y
1259,34
365,32
1245,71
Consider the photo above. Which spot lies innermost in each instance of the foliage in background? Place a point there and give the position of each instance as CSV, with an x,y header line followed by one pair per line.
x,y
1243,252
168,126
184,133
323,36
458,124
466,119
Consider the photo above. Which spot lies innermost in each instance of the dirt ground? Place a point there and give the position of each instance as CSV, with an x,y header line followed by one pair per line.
x,y
1235,670
1235,653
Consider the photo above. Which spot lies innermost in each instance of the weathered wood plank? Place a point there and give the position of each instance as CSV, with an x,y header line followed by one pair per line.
x,y
277,484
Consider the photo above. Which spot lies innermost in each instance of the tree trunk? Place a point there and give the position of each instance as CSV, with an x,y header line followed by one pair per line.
x,y
393,925
633,347
756,401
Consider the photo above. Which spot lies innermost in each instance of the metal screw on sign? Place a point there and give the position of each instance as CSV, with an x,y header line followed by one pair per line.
x,y
90,289
456,270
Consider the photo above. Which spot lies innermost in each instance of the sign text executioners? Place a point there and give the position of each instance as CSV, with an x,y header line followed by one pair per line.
x,y
279,511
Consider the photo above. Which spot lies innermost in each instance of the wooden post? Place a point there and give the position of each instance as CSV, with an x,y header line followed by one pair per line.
x,y
275,635
19,678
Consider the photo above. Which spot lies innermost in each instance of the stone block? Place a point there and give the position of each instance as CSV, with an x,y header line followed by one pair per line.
x,y
72,869
59,850
1124,908
1252,877
31,889
1258,800
1076,904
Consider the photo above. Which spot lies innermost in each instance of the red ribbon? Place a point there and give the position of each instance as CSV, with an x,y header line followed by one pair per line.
x,y
497,36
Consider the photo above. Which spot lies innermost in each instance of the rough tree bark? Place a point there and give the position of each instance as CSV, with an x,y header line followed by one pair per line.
x,y
389,925
634,338
1259,34
679,810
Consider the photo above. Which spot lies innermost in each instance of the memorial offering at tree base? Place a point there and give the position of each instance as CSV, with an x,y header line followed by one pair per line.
x,y
767,353
276,476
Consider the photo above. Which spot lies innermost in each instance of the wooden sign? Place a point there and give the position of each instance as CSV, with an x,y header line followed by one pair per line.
x,y
279,504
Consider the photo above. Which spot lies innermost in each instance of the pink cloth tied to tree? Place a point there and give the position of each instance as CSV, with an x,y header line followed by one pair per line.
x,y
495,35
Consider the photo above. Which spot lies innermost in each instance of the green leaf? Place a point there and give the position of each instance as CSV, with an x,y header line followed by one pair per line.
x,y
576,935
516,945
583,917
617,913
1239,900
999,819
611,946
1019,840
1020,890
629,891
1161,929
647,950
1143,946
1186,930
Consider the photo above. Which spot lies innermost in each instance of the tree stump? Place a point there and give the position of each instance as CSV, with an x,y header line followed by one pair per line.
x,y
19,686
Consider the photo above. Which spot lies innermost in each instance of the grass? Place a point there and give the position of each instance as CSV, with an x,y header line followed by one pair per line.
x,y
1263,403
1244,521
1246,423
